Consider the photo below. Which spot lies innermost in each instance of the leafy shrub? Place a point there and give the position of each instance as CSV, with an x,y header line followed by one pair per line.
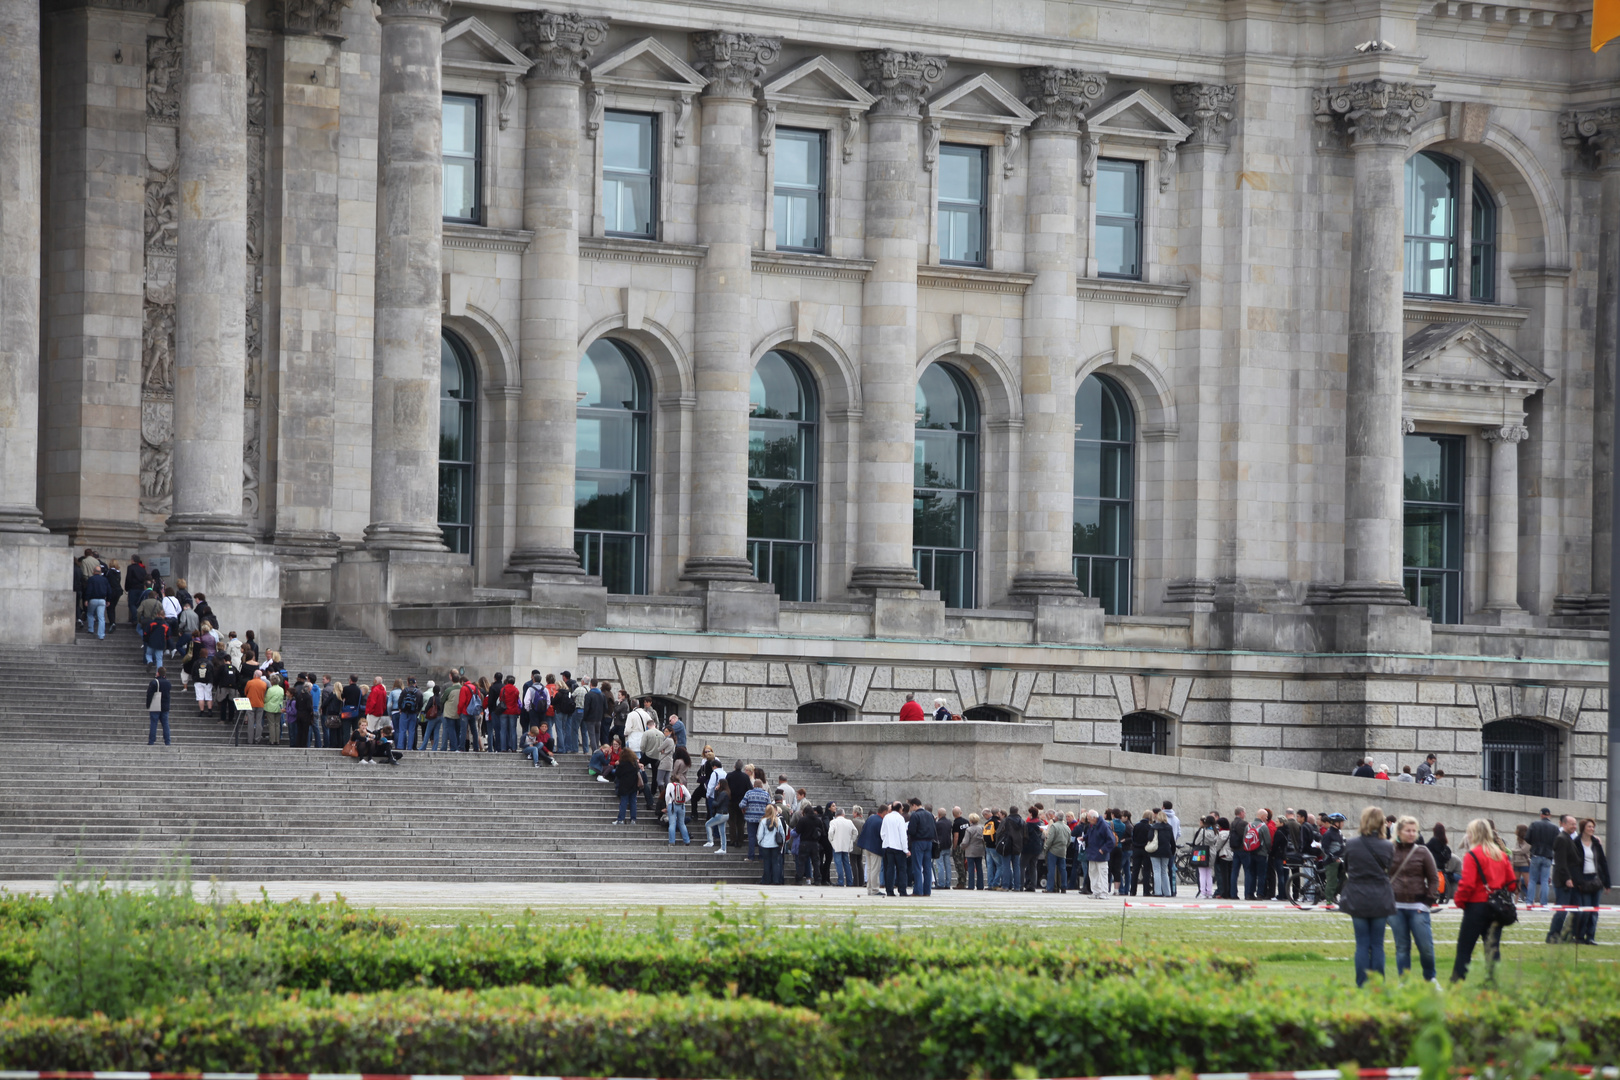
x,y
112,950
573,1031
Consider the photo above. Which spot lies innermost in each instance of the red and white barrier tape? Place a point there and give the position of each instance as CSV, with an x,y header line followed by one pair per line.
x,y
1283,905
1607,1073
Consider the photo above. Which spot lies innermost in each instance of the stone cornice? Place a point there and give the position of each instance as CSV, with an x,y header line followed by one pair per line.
x,y
1121,291
1060,96
1372,113
733,62
1206,108
1433,311
308,16
559,43
481,238
413,9
653,252
973,279
899,80
798,264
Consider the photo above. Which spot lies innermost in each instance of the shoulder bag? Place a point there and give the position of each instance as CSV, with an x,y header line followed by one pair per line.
x,y
1499,903
350,750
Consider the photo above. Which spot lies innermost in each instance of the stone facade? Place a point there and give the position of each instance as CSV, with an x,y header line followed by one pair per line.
x,y
246,276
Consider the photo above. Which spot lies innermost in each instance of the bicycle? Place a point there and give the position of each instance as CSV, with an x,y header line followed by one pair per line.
x,y
1305,884
1186,872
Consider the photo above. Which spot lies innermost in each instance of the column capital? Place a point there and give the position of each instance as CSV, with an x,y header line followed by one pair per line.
x,y
1597,131
1061,97
900,79
734,62
559,43
432,10
1375,113
1206,108
309,16
1507,433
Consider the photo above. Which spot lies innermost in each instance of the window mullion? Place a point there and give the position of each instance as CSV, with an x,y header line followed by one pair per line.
x,y
1463,251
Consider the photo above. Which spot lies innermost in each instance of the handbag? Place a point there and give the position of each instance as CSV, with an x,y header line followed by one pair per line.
x,y
1499,904
1152,845
350,750
1200,856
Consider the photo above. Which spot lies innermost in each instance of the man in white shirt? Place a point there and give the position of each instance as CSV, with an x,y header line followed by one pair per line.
x,y
641,719
841,835
896,850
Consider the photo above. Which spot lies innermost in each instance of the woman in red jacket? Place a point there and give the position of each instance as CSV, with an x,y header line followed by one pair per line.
x,y
1485,868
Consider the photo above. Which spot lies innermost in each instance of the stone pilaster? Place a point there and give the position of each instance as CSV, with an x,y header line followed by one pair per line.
x,y
733,64
94,266
1378,117
560,43
211,276
34,571
405,374
900,80
1502,558
303,278
1045,576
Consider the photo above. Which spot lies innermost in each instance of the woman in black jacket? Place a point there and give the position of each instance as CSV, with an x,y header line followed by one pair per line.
x,y
1367,897
1142,834
1010,838
1441,850
1590,870
627,782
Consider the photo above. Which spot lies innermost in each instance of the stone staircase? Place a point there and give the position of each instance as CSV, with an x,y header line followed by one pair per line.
x,y
77,777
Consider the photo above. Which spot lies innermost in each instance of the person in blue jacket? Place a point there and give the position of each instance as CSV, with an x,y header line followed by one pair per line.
x,y
870,843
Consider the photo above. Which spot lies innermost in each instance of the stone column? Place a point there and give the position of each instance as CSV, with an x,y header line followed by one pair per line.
x,y
211,275
1602,128
900,80
1502,560
718,519
303,280
90,439
34,570
1378,117
548,341
1045,576
410,212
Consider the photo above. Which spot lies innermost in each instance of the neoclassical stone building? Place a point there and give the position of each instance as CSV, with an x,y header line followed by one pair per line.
x,y
1222,378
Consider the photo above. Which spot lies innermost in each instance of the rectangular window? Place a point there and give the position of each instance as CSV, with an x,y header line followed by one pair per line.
x,y
1482,256
801,190
962,188
1433,534
463,158
630,174
1118,185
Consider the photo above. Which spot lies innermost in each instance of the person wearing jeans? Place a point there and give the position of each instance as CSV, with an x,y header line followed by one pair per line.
x,y
772,836
1412,877
627,780
1368,897
157,707
676,798
720,808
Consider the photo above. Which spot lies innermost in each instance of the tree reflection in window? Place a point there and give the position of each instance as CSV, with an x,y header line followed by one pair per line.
x,y
944,517
782,413
610,467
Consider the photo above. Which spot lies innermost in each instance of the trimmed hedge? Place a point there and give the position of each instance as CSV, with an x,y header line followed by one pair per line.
x,y
787,967
518,1030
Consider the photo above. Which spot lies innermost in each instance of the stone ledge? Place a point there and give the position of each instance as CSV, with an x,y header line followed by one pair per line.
x,y
1125,291
973,279
482,238
654,252
802,264
1419,309
926,732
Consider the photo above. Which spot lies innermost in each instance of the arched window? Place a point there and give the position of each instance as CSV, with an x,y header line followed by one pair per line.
x,y
458,442
1482,244
988,714
944,507
1431,225
782,475
610,467
1104,437
1144,733
822,712
1521,758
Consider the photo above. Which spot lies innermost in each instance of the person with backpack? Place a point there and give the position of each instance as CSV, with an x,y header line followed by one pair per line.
x,y
409,708
303,709
1333,858
1485,895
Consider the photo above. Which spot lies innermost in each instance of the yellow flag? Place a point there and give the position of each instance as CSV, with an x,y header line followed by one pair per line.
x,y
1605,22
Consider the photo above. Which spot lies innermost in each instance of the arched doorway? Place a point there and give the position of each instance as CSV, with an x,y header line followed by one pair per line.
x,y
458,442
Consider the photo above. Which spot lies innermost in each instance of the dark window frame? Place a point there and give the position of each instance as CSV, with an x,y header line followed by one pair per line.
x,y
822,712
1452,238
822,143
1508,749
454,531
1450,579
981,208
1482,253
990,714
477,158
925,558
1137,221
655,218
761,550
589,552
1085,565
1145,733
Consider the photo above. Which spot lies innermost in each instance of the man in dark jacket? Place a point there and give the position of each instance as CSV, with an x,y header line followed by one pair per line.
x,y
739,782
1543,835
591,722
870,844
920,835
157,707
96,591
1365,770
1010,845
1568,862
1100,841
1141,835
135,579
812,839
1034,864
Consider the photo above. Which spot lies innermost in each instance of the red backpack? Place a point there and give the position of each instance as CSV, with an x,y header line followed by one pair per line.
x,y
1251,838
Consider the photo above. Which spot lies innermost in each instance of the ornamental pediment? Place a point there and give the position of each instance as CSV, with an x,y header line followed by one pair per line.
x,y
648,65
980,102
817,84
1137,116
1466,357
468,45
